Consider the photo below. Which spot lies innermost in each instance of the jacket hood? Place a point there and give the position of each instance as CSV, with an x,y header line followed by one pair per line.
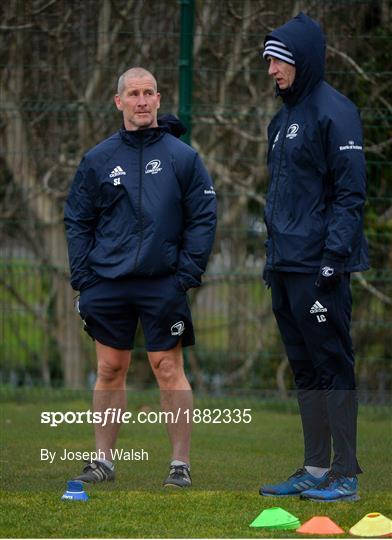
x,y
306,41
172,124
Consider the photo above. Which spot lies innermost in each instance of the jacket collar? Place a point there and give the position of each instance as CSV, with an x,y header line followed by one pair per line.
x,y
166,124
141,137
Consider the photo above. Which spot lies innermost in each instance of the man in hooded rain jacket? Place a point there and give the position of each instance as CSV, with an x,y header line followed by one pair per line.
x,y
314,219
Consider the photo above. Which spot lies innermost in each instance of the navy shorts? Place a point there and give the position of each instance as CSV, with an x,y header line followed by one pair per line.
x,y
111,310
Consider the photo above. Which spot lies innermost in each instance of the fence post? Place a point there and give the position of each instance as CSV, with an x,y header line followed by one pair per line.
x,y
186,66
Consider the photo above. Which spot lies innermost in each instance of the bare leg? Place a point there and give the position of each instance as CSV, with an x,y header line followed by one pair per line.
x,y
176,396
109,391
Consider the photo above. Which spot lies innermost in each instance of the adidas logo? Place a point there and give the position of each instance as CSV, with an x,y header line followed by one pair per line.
x,y
117,171
318,308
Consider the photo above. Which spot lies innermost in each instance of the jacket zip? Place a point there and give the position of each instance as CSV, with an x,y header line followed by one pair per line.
x,y
141,235
276,188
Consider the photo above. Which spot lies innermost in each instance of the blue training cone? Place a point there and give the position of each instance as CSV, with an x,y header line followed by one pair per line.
x,y
75,492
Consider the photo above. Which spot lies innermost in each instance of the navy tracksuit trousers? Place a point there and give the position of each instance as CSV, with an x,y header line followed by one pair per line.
x,y
315,328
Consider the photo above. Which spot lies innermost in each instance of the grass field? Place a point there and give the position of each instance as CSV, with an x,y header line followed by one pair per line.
x,y
229,462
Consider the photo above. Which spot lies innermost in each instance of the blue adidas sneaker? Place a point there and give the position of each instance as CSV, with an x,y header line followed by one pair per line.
x,y
296,484
335,487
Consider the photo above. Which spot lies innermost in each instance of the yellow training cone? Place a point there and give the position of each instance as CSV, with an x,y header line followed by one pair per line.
x,y
373,524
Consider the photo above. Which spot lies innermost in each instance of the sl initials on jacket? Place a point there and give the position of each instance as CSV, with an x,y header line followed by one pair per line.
x,y
141,204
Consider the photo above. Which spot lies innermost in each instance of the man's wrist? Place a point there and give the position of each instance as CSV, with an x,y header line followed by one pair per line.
x,y
333,260
181,284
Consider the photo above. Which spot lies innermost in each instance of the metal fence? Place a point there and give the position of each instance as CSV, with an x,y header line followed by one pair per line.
x,y
59,65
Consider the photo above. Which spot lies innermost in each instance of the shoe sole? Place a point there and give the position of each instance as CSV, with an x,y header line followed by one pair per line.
x,y
99,481
176,486
279,495
347,498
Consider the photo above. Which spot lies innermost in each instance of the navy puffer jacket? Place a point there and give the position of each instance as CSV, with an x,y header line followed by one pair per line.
x,y
141,204
317,188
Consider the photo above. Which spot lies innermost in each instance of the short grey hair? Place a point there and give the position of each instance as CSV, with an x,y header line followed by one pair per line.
x,y
133,73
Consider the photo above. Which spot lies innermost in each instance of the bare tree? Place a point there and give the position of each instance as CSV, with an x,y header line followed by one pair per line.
x,y
59,63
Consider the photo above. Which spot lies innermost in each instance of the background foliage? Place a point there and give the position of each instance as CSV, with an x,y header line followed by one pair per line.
x,y
59,63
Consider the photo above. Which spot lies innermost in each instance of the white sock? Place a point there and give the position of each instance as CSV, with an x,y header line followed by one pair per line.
x,y
176,463
317,472
107,463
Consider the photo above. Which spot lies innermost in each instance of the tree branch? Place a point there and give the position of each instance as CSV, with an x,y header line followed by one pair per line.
x,y
361,72
372,290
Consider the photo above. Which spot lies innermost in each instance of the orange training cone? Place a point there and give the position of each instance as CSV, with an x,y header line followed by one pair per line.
x,y
373,524
320,525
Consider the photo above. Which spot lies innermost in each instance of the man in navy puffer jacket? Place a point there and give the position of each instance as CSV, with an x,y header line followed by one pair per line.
x,y
140,220
314,219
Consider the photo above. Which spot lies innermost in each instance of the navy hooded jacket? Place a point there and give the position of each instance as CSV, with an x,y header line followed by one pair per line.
x,y
141,204
315,200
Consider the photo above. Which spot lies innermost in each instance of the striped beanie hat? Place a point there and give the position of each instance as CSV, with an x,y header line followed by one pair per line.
x,y
277,49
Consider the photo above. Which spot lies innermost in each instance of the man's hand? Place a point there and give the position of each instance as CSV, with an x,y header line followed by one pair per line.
x,y
267,277
330,274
